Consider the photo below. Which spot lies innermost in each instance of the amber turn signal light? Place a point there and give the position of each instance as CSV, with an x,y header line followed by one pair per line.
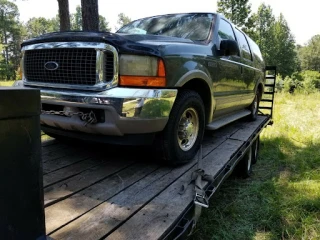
x,y
142,81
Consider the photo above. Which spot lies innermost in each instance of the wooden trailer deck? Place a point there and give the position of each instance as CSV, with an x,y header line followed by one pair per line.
x,y
94,191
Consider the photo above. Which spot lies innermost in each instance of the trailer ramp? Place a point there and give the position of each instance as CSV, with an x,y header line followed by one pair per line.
x,y
100,192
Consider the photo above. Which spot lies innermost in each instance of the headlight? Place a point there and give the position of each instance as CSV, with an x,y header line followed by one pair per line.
x,y
135,65
138,70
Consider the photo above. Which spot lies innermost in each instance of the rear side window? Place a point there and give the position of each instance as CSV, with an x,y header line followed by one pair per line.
x,y
244,46
225,31
255,50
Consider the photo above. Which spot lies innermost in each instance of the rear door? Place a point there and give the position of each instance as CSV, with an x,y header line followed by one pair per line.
x,y
248,70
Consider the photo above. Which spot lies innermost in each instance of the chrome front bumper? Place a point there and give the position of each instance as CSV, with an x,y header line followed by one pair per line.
x,y
126,110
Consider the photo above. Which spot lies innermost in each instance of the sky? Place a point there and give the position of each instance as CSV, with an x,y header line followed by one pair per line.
x,y
302,16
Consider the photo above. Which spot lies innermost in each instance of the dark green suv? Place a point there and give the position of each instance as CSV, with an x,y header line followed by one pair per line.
x,y
160,80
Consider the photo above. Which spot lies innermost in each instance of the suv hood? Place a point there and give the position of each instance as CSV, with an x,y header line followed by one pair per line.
x,y
124,43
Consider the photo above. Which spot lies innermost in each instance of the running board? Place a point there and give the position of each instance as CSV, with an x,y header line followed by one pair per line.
x,y
227,119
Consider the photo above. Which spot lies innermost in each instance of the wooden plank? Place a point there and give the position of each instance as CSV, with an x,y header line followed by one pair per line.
x,y
69,151
53,147
71,208
158,215
110,214
213,139
247,129
83,180
54,165
68,171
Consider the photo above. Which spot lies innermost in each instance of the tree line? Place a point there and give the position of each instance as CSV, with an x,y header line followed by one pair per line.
x,y
298,66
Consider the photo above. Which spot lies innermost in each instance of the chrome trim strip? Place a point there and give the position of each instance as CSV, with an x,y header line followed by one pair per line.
x,y
22,65
49,45
101,83
241,64
115,79
99,66
96,87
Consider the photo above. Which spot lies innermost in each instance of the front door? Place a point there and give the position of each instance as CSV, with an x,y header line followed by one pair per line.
x,y
228,86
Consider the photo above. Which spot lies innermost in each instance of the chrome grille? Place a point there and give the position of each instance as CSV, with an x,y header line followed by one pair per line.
x,y
75,66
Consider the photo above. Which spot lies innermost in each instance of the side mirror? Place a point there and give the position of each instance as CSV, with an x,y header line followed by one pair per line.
x,y
229,48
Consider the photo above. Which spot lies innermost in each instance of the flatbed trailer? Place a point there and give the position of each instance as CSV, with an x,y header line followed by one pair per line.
x,y
119,193
96,191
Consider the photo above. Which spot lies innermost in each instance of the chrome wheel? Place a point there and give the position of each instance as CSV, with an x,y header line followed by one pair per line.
x,y
188,129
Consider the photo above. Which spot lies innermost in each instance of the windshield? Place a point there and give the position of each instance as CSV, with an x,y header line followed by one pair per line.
x,y
193,26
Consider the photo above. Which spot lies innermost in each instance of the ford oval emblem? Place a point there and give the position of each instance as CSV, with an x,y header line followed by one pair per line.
x,y
51,66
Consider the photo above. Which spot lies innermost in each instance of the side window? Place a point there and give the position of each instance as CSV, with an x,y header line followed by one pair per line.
x,y
255,50
244,46
225,31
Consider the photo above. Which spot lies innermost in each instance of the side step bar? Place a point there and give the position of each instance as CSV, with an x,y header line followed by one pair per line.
x,y
220,122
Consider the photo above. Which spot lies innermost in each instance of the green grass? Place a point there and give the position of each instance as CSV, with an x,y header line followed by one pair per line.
x,y
282,198
6,83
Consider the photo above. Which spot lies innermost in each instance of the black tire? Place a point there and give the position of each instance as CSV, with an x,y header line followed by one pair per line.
x,y
244,167
255,150
254,107
173,145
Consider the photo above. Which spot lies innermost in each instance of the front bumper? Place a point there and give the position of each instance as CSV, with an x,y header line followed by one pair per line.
x,y
126,110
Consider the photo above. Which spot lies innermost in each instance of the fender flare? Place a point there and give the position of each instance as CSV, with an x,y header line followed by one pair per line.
x,y
197,74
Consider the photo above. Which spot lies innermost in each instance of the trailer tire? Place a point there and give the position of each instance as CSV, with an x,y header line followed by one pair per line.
x,y
244,167
179,142
255,150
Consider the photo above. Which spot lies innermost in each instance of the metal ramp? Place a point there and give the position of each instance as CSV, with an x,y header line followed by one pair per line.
x,y
267,100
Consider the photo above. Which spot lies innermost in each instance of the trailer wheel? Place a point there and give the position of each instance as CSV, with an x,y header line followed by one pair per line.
x,y
254,107
182,136
255,150
244,167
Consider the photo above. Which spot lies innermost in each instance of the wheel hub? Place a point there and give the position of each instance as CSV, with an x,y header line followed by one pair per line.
x,y
188,129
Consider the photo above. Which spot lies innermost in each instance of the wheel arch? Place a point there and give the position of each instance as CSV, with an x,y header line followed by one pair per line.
x,y
200,82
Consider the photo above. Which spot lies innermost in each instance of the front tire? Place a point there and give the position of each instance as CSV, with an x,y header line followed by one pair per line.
x,y
182,136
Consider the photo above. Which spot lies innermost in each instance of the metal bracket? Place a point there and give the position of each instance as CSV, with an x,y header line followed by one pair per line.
x,y
201,200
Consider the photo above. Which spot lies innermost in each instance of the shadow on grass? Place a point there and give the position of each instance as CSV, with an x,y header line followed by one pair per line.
x,y
280,201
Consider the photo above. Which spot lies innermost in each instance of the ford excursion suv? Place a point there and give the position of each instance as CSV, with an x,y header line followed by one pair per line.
x,y
160,80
